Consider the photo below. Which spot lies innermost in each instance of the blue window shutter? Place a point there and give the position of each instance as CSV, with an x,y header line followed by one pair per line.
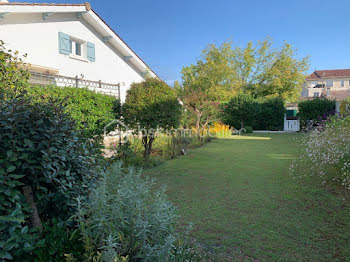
x,y
91,52
64,43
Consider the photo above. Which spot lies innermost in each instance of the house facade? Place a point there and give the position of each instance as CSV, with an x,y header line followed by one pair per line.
x,y
69,44
334,84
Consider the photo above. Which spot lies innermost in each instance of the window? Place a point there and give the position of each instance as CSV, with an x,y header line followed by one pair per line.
x,y
342,83
329,83
316,94
76,48
314,83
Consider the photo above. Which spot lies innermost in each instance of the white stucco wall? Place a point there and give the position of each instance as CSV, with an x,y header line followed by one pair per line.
x,y
29,33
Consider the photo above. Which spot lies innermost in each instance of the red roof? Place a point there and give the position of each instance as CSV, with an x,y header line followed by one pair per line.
x,y
329,74
48,4
339,95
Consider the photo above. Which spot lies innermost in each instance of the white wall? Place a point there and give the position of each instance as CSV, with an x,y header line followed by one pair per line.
x,y
29,33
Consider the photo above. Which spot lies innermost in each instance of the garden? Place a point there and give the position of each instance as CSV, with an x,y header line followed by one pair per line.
x,y
179,183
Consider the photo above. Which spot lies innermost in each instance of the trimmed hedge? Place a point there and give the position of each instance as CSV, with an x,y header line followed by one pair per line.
x,y
260,114
91,110
316,109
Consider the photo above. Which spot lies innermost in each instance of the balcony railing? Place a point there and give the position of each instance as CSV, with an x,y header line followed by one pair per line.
x,y
59,80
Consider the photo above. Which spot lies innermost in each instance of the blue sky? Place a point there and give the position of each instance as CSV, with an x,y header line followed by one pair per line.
x,y
170,34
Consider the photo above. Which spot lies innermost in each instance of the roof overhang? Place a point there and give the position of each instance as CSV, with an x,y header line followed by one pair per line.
x,y
84,12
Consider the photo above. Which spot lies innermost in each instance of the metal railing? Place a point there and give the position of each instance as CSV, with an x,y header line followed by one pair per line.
x,y
59,80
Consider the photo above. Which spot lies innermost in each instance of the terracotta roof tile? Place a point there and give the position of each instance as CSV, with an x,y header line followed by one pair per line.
x,y
44,4
329,74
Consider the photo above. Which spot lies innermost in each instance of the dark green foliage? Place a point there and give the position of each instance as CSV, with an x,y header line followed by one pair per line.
x,y
260,114
39,149
60,243
270,114
150,105
91,111
248,129
316,109
239,111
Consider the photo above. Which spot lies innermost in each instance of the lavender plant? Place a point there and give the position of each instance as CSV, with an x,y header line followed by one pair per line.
x,y
125,220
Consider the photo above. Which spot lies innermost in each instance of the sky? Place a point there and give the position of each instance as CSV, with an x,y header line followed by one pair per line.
x,y
170,34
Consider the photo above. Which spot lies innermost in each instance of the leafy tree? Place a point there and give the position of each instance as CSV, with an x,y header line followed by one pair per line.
x,y
150,105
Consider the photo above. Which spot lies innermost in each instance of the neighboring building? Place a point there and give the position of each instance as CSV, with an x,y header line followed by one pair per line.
x,y
69,44
334,84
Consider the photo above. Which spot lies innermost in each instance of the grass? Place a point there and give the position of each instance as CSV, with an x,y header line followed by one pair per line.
x,y
245,206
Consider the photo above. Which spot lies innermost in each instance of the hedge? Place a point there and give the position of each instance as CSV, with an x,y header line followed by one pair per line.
x,y
261,114
315,109
91,110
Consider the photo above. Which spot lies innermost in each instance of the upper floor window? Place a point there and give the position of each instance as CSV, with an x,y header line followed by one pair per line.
x,y
314,83
342,83
329,83
76,48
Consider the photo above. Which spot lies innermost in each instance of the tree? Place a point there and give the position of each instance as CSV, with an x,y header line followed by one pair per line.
x,y
239,111
150,105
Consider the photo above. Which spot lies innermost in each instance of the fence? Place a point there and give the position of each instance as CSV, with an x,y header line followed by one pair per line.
x,y
59,80
291,125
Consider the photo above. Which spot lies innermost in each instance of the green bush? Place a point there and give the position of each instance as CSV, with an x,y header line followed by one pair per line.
x,y
316,109
125,218
261,114
150,105
13,76
92,111
248,129
270,114
61,243
41,154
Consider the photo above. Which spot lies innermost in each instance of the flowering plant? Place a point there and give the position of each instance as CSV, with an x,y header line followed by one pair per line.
x,y
326,153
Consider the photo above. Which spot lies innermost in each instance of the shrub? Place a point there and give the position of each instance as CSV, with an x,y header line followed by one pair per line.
x,y
60,243
248,129
44,165
239,111
260,114
150,105
125,218
270,114
13,76
316,109
91,111
326,153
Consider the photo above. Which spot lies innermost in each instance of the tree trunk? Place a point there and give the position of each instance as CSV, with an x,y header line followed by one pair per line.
x,y
198,125
34,216
147,141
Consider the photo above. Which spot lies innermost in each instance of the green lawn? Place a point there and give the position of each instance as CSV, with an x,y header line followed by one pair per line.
x,y
243,203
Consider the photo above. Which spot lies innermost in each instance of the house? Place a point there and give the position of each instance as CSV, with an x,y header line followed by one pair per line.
x,y
70,45
334,84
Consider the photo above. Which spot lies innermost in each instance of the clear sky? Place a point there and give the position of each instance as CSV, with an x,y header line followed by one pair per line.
x,y
170,34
